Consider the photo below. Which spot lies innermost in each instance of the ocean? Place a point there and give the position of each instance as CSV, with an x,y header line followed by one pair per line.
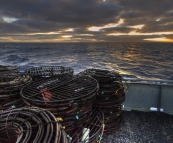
x,y
143,60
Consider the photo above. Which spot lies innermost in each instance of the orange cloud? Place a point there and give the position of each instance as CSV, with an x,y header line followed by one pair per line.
x,y
161,39
110,25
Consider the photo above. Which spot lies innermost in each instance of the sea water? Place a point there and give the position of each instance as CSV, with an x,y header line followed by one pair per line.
x,y
144,60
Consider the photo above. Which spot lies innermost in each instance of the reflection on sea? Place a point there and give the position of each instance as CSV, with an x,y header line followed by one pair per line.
x,y
145,60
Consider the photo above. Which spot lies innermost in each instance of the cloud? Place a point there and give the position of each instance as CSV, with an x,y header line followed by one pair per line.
x,y
2,20
51,19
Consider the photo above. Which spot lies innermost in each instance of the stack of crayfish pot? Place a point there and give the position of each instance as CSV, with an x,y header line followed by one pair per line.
x,y
30,125
110,96
91,130
43,72
68,97
11,82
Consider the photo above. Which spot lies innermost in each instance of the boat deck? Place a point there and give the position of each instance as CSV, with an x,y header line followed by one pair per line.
x,y
143,127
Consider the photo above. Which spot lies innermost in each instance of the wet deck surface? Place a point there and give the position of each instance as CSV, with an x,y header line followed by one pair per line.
x,y
143,127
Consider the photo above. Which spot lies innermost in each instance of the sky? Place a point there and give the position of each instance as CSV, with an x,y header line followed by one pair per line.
x,y
86,20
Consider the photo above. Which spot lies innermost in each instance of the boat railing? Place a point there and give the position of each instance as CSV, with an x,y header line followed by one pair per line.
x,y
149,95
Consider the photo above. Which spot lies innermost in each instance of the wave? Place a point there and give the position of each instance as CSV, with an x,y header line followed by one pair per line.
x,y
150,60
15,59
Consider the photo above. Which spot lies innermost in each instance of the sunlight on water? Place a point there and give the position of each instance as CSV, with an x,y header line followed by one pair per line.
x,y
144,60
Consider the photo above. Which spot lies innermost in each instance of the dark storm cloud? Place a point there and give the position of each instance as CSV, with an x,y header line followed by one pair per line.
x,y
146,12
10,28
148,8
41,16
78,11
1,19
169,36
57,15
40,26
157,28
117,29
